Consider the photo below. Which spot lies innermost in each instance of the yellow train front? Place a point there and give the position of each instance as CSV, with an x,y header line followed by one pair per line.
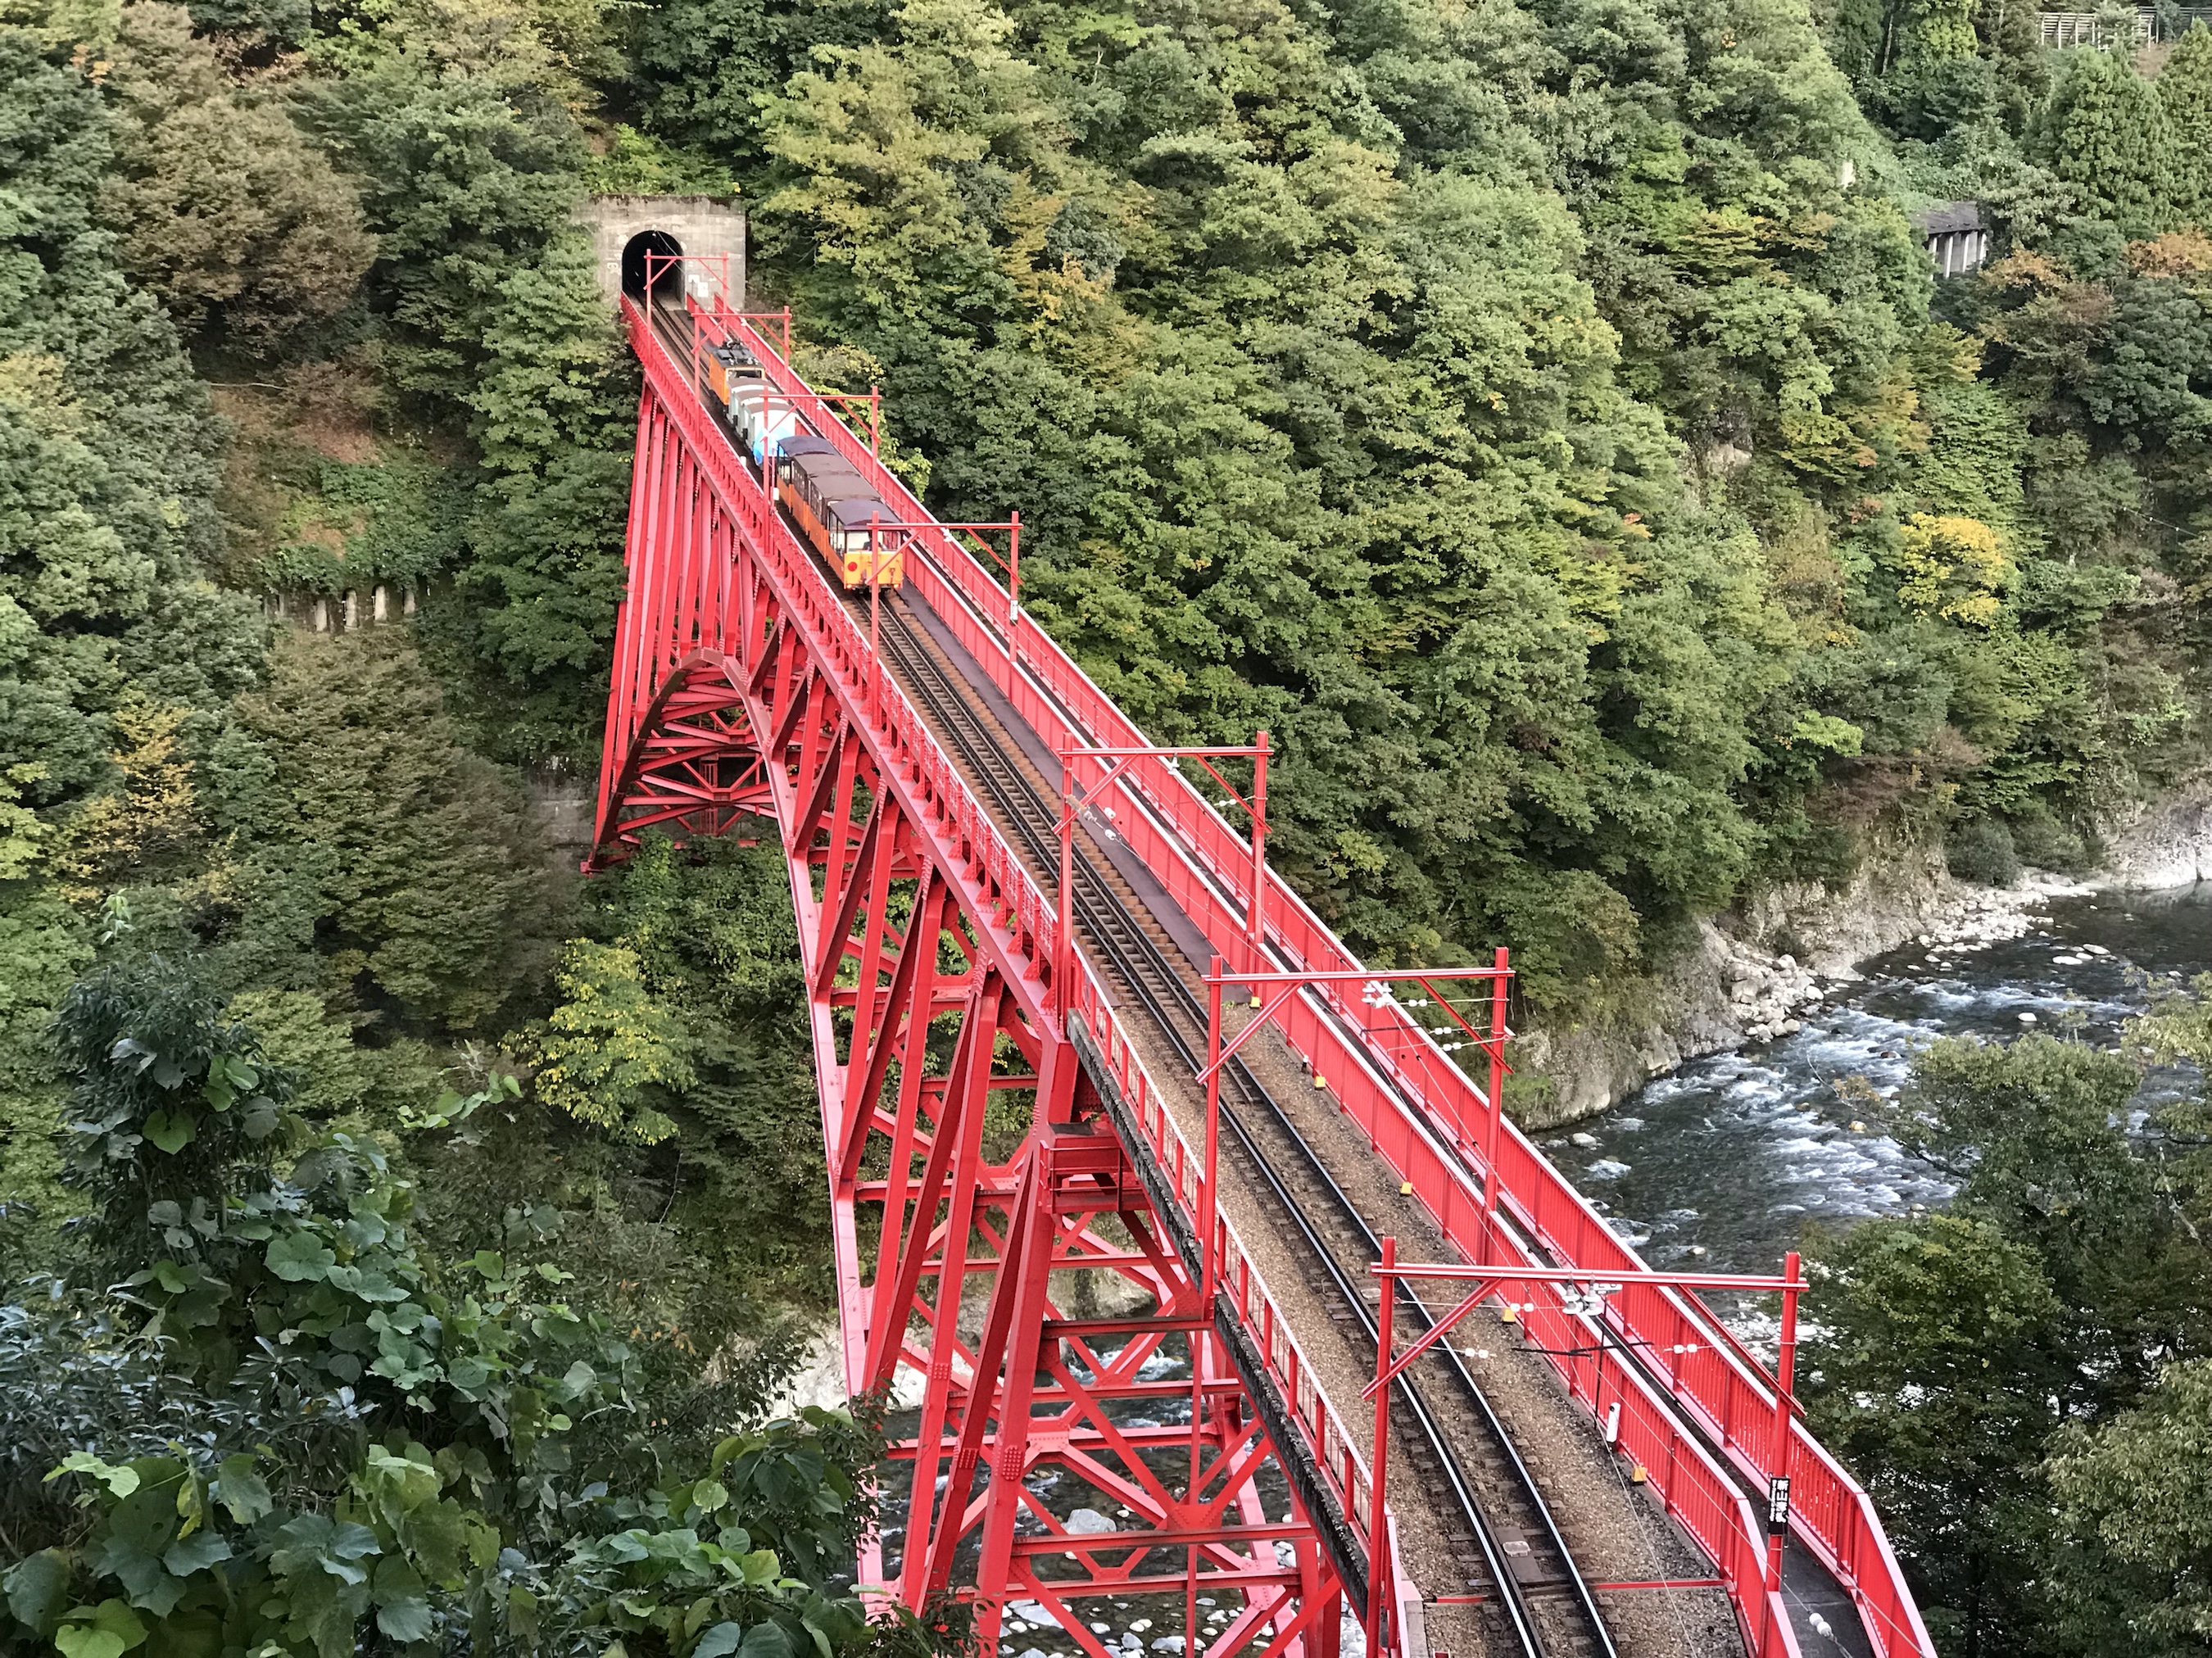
x,y
835,508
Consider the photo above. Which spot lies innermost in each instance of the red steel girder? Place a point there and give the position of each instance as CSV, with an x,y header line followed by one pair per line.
x,y
974,1181
722,599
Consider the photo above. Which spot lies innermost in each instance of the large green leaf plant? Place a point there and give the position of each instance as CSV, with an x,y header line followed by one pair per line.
x,y
272,1422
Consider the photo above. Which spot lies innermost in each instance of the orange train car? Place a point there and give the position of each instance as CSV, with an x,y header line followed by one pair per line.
x,y
729,367
841,516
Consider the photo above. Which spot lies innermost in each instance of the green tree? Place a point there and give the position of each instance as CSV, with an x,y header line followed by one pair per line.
x,y
2105,133
107,465
1938,1343
224,208
284,23
108,458
1978,443
2020,1356
1330,443
470,161
371,856
1944,28
609,1052
2185,97
709,65
712,931
2035,1131
460,187
553,407
381,1441
2134,1497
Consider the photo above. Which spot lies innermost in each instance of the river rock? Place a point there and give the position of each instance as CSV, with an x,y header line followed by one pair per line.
x,y
2169,846
820,1380
1755,968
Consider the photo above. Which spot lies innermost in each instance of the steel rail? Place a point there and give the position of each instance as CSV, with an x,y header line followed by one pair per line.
x,y
1703,1426
1143,964
1145,967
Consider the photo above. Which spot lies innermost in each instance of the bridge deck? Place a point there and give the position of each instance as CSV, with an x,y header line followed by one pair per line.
x,y
1310,1177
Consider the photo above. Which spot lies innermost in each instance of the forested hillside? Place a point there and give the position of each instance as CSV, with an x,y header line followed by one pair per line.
x,y
1542,417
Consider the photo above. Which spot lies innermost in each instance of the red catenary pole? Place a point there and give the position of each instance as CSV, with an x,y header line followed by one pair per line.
x,y
1209,1213
1256,916
1378,1523
1063,966
1493,1130
1777,1493
1014,603
875,622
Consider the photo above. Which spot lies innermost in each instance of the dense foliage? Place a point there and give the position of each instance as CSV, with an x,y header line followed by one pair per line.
x,y
2019,1378
286,1423
312,1290
1541,416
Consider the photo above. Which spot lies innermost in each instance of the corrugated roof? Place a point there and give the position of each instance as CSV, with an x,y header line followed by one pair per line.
x,y
1948,216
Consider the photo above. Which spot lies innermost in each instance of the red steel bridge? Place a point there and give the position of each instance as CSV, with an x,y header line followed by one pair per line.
x,y
1012,910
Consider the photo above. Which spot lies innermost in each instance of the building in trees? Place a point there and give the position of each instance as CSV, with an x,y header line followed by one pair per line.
x,y
1957,239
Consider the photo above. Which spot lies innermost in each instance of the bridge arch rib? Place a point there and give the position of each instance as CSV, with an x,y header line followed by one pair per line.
x,y
745,690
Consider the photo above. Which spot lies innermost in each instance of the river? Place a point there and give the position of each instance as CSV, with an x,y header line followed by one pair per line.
x,y
1725,1163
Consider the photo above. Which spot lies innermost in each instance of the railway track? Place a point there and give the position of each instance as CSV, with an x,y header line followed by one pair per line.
x,y
1496,1525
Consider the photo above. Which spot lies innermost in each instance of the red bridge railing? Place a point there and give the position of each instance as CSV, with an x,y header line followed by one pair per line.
x,y
1425,1115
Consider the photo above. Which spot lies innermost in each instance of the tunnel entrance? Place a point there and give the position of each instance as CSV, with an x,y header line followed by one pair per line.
x,y
667,279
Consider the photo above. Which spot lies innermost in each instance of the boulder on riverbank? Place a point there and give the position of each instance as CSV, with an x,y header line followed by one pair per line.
x,y
1757,968
2170,844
